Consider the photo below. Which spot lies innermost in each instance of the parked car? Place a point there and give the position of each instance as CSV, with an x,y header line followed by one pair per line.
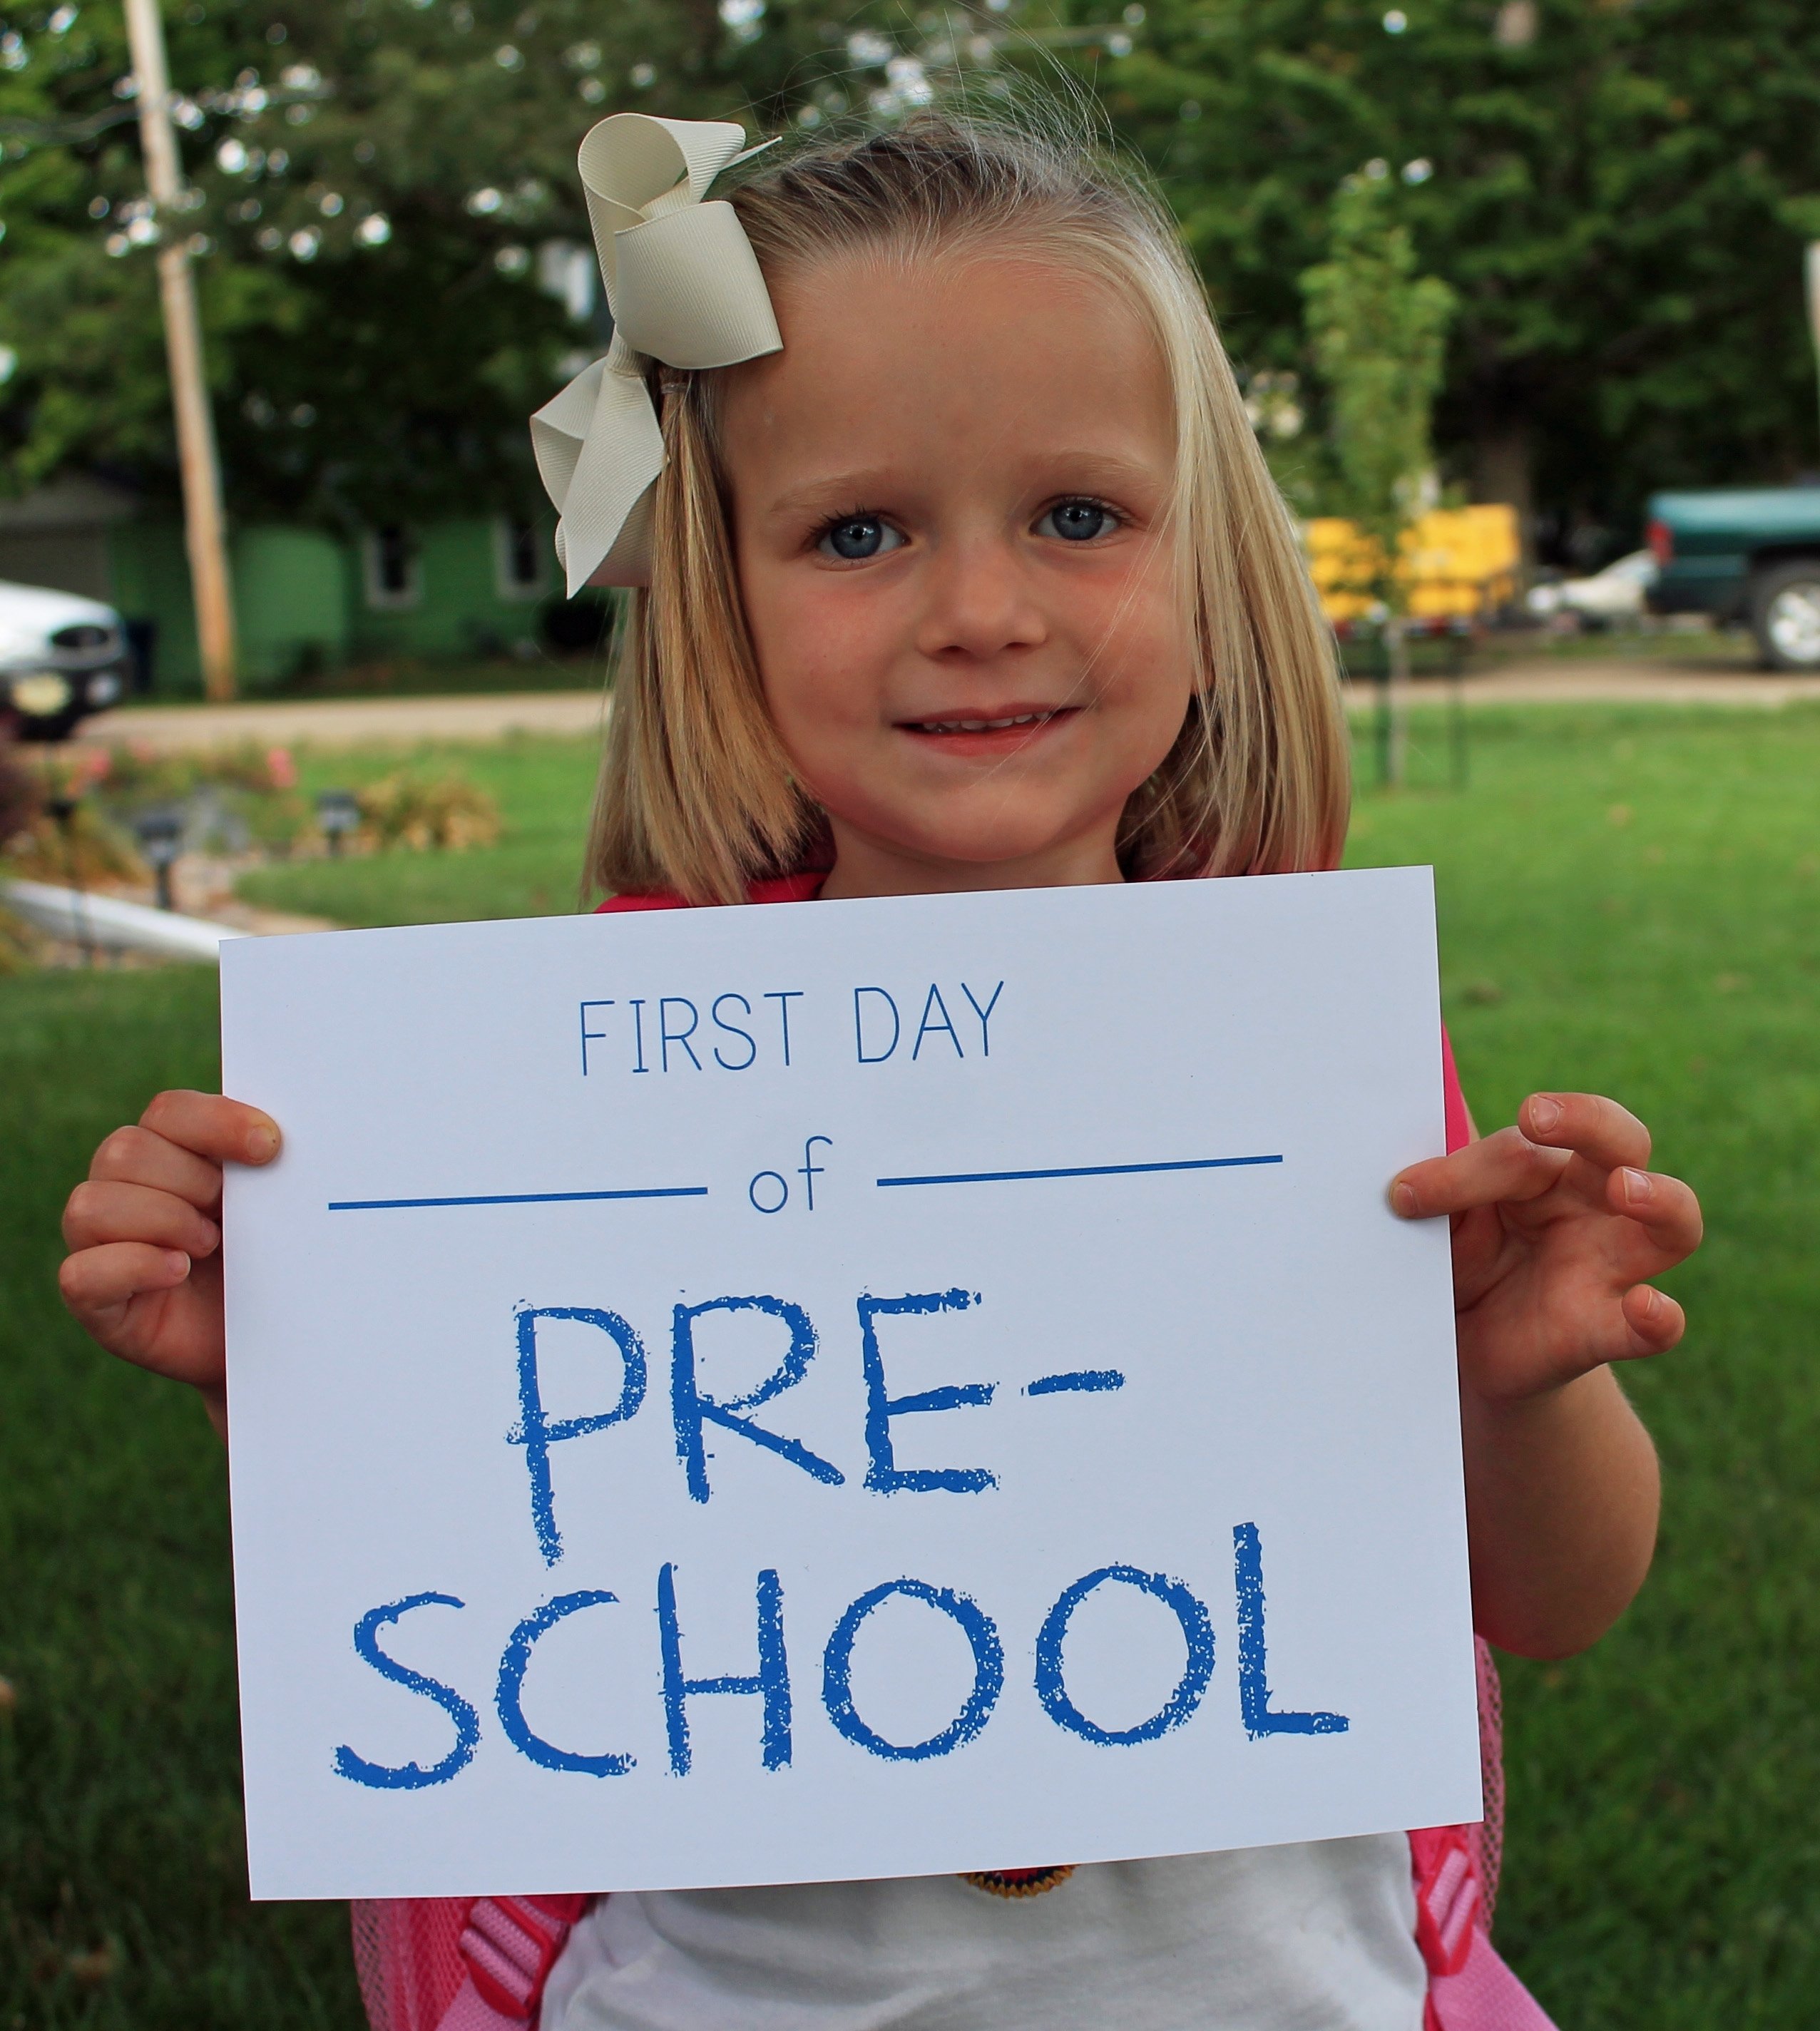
x,y
1744,554
1617,593
62,657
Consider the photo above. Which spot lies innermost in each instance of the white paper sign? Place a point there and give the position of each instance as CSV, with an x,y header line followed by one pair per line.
x,y
848,1389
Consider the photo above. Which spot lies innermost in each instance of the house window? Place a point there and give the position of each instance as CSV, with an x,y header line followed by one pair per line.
x,y
394,578
520,555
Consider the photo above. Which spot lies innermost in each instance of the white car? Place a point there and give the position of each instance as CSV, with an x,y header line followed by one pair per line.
x,y
1615,594
61,657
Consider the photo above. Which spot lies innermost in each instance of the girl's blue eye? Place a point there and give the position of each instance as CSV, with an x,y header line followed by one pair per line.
x,y
859,536
1077,521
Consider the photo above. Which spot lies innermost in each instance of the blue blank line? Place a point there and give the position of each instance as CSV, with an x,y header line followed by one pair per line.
x,y
521,1199
1084,1171
1085,1380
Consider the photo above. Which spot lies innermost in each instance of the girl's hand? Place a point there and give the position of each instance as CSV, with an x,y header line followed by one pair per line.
x,y
1557,1227
144,1272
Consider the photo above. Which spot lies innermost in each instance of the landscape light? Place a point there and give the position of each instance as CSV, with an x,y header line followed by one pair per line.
x,y
161,840
337,813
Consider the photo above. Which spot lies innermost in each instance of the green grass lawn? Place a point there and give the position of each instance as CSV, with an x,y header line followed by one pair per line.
x,y
122,1872
1628,902
1700,648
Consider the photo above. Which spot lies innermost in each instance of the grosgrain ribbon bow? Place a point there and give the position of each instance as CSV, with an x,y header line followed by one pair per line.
x,y
684,287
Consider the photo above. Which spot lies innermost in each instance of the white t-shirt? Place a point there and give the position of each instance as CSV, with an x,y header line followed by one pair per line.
x,y
1316,1937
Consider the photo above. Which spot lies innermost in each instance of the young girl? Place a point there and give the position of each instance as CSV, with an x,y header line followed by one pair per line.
x,y
966,573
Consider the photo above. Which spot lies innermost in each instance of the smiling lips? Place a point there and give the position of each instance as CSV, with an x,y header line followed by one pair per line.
x,y
977,733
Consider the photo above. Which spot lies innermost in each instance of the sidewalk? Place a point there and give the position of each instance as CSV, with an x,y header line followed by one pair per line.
x,y
574,715
351,722
1612,682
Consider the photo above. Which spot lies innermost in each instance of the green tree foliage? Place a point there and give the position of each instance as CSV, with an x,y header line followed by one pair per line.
x,y
1618,190
1378,332
376,185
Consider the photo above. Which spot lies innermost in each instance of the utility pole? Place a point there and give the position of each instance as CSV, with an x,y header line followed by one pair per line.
x,y
1813,296
203,530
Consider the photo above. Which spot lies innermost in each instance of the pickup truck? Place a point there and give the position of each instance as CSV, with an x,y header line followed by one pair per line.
x,y
1743,553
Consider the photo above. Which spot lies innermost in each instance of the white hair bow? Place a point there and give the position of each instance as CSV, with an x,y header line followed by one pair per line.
x,y
684,287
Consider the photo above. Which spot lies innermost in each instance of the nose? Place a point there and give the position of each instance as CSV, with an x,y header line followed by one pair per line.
x,y
978,602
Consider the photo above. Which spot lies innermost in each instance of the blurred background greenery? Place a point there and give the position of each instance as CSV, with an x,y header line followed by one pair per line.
x,y
389,235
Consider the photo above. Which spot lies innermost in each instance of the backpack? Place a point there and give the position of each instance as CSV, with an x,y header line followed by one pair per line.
x,y
480,1963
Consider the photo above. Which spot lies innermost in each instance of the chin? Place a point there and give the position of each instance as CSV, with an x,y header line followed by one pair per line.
x,y
987,845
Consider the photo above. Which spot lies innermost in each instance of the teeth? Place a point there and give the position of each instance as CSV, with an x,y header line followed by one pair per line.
x,y
979,725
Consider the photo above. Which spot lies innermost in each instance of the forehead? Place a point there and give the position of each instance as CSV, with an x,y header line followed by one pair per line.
x,y
889,357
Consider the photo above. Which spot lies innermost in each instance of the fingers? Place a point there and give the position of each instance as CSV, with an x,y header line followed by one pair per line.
x,y
101,1281
1664,1207
1589,1125
141,1225
225,1132
1525,1161
143,1303
137,1156
101,1212
1504,1166
1654,1320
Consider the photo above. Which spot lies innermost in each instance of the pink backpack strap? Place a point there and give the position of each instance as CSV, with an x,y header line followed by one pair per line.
x,y
459,1963
1470,1988
509,1945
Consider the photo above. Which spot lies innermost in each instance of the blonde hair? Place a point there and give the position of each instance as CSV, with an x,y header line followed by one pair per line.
x,y
696,794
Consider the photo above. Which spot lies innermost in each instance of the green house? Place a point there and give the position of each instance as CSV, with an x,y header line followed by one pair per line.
x,y
305,599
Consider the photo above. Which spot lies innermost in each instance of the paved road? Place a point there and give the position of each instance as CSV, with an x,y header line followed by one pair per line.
x,y
364,722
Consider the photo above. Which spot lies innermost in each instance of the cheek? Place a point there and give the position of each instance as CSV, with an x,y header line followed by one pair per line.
x,y
818,648
1147,663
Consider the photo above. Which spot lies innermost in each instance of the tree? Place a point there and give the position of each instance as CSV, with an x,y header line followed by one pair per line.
x,y
1616,191
1379,332
373,182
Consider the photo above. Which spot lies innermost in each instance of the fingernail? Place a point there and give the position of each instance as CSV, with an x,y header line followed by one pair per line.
x,y
261,1144
176,1262
1403,1200
1544,1113
1637,1186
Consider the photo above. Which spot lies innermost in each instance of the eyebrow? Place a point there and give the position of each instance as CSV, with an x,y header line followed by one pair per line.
x,y
813,495
865,486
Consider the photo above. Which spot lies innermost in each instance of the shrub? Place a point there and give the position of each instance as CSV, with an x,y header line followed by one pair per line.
x,y
84,850
137,774
20,945
36,845
420,813
20,794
